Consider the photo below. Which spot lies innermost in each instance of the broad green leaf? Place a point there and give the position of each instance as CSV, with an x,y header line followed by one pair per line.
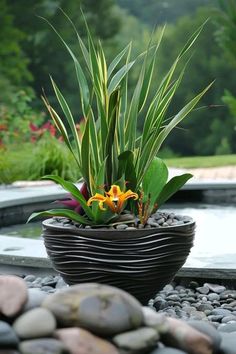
x,y
172,187
74,191
154,180
67,213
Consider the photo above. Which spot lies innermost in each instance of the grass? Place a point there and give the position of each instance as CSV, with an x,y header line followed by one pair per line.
x,y
202,161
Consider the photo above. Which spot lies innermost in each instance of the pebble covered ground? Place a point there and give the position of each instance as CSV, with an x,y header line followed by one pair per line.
x,y
42,315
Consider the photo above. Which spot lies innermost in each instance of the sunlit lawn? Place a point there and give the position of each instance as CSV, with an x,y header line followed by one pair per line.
x,y
202,161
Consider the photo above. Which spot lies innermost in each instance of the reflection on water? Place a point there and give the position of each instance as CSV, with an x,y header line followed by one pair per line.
x,y
31,230
216,227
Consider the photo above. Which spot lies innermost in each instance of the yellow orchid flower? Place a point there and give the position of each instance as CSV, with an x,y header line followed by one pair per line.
x,y
114,199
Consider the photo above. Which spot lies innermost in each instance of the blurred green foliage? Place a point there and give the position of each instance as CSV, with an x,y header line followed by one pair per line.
x,y
30,51
157,12
32,161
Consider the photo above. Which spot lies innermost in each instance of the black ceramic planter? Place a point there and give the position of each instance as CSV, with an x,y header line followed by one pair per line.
x,y
139,261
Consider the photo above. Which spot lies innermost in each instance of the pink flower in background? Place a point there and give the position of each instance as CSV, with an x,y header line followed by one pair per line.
x,y
39,131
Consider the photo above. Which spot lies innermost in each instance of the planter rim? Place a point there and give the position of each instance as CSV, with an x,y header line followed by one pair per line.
x,y
55,226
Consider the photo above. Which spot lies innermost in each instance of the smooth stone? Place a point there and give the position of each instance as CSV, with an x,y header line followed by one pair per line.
x,y
203,290
198,315
203,307
13,295
233,303
140,340
161,221
30,278
61,284
126,217
213,296
228,343
8,338
47,288
38,322
173,297
216,288
227,327
121,226
228,319
49,281
159,303
215,318
42,346
154,319
35,299
80,341
221,312
227,307
101,309
193,284
167,350
208,329
182,336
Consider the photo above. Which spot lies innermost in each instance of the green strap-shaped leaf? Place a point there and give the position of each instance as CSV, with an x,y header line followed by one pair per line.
x,y
149,73
68,114
94,140
126,169
116,79
86,154
70,214
61,128
74,191
84,90
117,59
180,116
113,113
172,187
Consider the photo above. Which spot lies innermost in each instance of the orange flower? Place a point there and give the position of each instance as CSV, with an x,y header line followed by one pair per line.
x,y
114,199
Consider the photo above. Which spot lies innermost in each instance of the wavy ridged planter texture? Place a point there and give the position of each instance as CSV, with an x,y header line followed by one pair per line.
x,y
139,261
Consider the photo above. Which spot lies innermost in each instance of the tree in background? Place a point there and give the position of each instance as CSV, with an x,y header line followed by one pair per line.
x,y
43,47
157,12
14,72
225,20
208,126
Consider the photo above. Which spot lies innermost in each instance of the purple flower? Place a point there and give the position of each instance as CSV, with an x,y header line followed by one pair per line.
x,y
72,203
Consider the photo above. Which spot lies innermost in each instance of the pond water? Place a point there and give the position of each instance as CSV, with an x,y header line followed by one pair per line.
x,y
215,224
31,230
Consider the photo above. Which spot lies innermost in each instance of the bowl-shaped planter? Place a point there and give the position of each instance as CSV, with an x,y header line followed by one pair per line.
x,y
139,261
